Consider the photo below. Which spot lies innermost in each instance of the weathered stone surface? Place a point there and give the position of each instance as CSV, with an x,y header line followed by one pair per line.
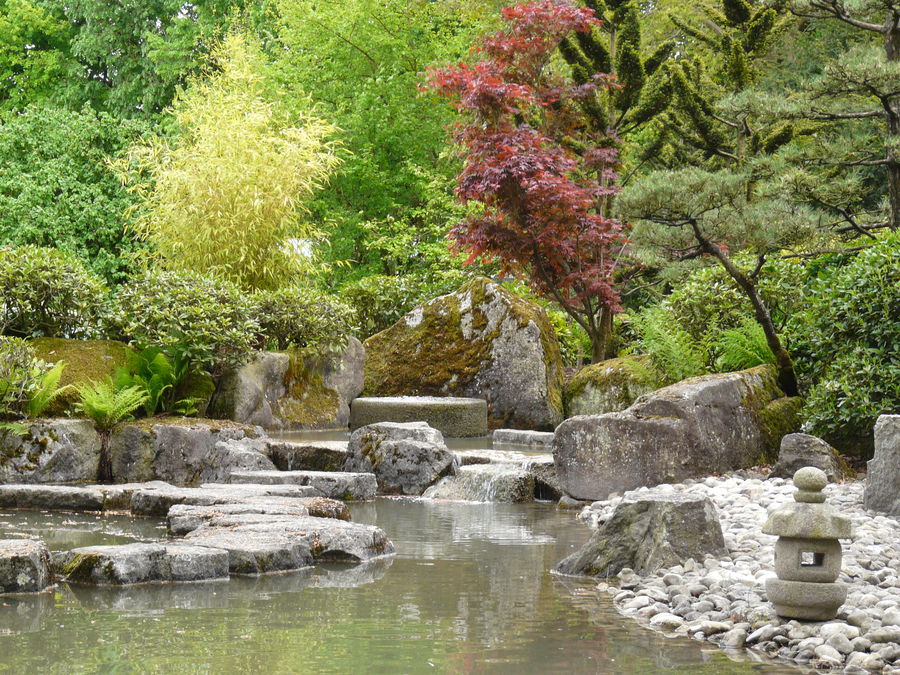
x,y
183,451
405,458
481,341
308,455
883,478
693,428
540,467
157,501
293,391
609,386
800,450
534,439
51,498
51,451
286,544
806,600
184,518
452,416
486,483
648,531
118,497
195,563
107,565
24,566
332,484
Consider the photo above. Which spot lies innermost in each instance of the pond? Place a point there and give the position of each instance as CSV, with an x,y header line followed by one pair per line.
x,y
468,591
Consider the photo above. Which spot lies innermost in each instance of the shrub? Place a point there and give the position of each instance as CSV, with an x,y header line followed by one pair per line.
x,y
20,374
846,343
46,292
302,317
204,320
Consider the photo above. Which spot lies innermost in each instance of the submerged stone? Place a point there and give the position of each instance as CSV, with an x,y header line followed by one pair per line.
x,y
141,563
24,566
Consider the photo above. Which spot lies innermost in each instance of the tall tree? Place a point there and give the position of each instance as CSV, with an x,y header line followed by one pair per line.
x,y
542,200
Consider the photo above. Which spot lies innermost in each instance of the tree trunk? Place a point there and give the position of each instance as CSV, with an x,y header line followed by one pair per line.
x,y
104,467
601,336
892,52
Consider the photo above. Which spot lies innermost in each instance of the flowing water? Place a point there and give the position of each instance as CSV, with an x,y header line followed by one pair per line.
x,y
468,592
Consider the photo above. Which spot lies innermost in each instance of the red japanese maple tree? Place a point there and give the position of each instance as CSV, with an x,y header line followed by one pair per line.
x,y
543,178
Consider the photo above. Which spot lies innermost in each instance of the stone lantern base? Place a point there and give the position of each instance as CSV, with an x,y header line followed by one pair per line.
x,y
805,599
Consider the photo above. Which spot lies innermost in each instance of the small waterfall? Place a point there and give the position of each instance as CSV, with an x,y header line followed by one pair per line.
x,y
486,483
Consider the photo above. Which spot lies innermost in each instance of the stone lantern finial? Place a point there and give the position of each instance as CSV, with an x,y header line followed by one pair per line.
x,y
807,553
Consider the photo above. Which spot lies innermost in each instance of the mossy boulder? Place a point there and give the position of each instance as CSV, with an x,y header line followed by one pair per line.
x,y
86,361
610,386
481,342
50,451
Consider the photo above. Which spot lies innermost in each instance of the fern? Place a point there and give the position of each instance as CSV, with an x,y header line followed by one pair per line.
x,y
157,375
46,391
674,353
743,347
107,404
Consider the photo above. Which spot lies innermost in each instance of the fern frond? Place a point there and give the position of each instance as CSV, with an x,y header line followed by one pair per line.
x,y
47,391
674,353
743,347
107,404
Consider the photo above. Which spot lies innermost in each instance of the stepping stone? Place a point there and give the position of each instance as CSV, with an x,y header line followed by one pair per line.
x,y
537,439
195,563
157,501
184,518
333,484
308,456
24,566
141,563
452,416
50,498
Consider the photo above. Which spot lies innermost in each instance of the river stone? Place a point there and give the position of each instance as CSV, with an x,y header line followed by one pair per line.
x,y
24,566
647,531
883,477
452,416
308,455
609,386
482,342
183,451
50,451
486,483
156,501
332,484
50,498
690,429
534,439
801,450
405,458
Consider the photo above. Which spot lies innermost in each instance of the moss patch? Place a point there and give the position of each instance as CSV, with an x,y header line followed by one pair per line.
x,y
776,420
308,403
87,361
619,381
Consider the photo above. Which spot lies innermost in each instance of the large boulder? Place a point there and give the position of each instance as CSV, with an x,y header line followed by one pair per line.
x,y
183,451
480,342
883,480
648,531
703,425
291,390
609,386
800,450
405,457
50,451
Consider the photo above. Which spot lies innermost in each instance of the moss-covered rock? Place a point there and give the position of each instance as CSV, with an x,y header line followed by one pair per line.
x,y
610,386
481,341
86,361
776,420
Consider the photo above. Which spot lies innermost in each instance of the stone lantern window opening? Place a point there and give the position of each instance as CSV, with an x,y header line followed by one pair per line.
x,y
811,559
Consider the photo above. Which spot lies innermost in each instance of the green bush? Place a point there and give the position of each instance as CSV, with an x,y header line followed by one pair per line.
x,y
846,343
45,292
204,320
302,317
20,375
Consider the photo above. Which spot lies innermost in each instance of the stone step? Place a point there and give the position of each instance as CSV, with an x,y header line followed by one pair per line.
x,y
157,501
184,518
332,484
141,563
51,498
537,439
308,455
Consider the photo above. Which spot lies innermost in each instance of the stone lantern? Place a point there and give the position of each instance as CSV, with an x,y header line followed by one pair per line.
x,y
807,553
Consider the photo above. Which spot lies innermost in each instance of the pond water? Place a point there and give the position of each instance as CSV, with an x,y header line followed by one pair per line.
x,y
468,592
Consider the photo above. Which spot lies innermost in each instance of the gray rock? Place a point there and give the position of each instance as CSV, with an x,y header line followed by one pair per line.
x,y
884,634
734,639
308,455
184,518
24,566
182,451
533,439
405,458
486,483
609,386
246,395
113,565
452,416
157,501
648,531
51,498
883,478
693,428
50,451
800,450
195,563
482,342
828,654
332,484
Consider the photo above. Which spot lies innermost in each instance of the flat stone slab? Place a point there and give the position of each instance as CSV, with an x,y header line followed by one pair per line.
x,y
195,563
332,484
24,566
539,439
184,518
452,416
51,498
157,501
308,455
281,543
141,563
